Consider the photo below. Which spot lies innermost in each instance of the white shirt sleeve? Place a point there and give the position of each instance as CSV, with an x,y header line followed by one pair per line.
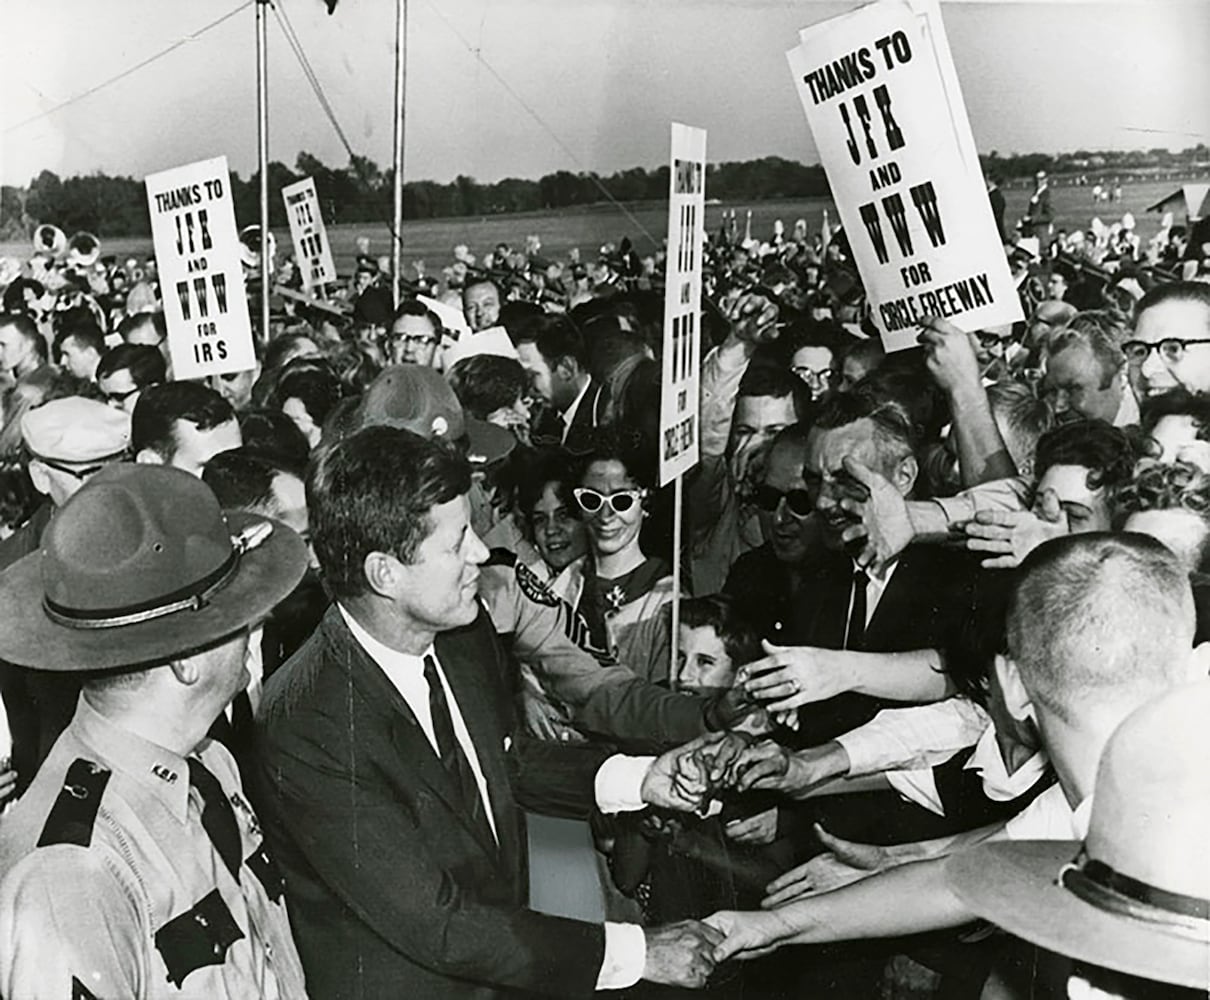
x,y
913,738
618,784
625,956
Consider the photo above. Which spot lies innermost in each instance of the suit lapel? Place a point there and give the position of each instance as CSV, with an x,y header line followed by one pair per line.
x,y
416,755
472,689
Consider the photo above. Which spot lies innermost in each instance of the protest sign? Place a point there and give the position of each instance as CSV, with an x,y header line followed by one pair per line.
x,y
679,387
311,247
197,254
882,100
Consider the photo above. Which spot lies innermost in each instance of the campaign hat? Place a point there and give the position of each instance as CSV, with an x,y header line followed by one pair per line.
x,y
141,565
1135,896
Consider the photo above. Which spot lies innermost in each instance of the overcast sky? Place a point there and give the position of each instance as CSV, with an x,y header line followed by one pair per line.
x,y
602,79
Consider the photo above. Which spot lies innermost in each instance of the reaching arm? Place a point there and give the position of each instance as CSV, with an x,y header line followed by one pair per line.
x,y
791,676
910,899
951,360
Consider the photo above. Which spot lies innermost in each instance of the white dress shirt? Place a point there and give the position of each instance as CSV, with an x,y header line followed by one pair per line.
x,y
916,737
920,785
406,672
569,414
617,785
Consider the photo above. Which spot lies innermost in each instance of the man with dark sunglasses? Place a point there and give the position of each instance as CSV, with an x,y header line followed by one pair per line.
x,y
766,583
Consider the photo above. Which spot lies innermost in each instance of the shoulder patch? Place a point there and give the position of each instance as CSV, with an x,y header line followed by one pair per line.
x,y
74,813
199,937
533,587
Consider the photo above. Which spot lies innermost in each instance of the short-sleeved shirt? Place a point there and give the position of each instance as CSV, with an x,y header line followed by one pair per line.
x,y
111,886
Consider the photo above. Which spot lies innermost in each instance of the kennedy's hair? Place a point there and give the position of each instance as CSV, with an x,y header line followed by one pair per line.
x,y
1100,618
373,492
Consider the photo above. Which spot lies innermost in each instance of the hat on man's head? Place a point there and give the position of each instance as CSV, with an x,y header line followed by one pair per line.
x,y
1135,897
76,430
420,400
141,566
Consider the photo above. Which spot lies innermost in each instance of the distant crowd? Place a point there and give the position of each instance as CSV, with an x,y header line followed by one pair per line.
x,y
306,668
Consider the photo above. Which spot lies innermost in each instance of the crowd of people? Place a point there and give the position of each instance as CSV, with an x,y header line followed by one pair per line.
x,y
289,655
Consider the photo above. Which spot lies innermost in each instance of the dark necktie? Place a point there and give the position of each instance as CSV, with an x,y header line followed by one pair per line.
x,y
453,759
855,633
218,818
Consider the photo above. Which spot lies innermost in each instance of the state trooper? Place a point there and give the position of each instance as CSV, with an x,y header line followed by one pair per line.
x,y
134,866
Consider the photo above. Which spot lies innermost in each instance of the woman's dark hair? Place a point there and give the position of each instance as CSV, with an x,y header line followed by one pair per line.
x,y
318,389
372,492
978,635
540,467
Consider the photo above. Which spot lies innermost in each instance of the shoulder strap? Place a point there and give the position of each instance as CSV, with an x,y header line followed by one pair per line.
x,y
72,817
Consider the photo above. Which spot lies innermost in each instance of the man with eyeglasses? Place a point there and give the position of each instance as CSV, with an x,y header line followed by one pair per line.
x,y
68,440
1171,343
415,334
126,370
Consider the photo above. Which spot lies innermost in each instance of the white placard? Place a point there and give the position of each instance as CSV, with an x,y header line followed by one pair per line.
x,y
311,247
882,100
679,388
197,254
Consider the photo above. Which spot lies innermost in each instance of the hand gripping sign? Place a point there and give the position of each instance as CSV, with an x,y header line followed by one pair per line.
x,y
197,255
882,100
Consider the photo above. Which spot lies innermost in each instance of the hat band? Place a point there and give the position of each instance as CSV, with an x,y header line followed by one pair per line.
x,y
191,598
1101,886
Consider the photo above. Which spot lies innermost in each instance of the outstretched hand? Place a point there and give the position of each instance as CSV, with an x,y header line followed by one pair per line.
x,y
883,522
1008,536
788,677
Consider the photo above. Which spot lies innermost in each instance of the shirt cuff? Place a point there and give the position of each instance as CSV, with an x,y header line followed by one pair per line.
x,y
619,783
625,956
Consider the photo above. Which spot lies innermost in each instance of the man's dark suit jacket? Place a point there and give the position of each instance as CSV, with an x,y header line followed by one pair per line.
x,y
392,892
930,593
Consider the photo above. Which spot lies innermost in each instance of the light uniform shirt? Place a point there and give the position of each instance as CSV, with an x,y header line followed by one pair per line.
x,y
617,785
113,888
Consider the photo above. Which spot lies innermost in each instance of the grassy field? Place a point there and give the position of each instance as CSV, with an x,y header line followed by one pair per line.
x,y
432,240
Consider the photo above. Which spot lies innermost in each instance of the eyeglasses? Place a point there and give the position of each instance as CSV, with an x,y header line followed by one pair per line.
x,y
769,498
1170,349
412,339
812,376
591,501
118,398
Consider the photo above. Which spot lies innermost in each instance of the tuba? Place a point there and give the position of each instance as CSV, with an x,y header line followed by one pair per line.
x,y
83,250
50,240
250,244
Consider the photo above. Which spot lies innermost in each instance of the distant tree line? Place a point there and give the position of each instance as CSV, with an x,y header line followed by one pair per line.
x,y
361,191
